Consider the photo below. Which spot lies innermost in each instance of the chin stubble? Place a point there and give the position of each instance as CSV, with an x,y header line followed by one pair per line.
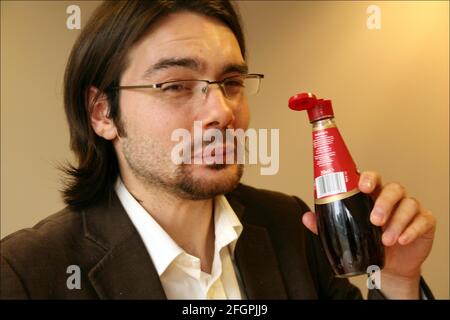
x,y
199,190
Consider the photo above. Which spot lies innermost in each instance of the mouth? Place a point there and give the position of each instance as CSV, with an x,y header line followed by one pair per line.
x,y
215,154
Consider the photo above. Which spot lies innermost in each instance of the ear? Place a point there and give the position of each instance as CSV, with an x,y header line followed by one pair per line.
x,y
99,110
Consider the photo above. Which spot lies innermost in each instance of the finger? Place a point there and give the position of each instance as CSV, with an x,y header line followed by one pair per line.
x,y
309,220
389,197
424,224
400,219
370,182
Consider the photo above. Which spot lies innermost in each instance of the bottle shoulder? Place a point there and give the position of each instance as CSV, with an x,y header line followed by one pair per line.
x,y
324,123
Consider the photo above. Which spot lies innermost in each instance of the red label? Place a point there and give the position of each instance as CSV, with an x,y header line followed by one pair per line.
x,y
334,169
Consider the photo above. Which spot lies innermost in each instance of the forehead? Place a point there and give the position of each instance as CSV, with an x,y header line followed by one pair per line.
x,y
186,35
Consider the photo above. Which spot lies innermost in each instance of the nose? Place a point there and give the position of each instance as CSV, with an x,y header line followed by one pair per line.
x,y
217,110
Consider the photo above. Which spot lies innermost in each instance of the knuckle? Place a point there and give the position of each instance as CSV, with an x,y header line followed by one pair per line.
x,y
425,223
431,219
415,229
413,203
397,187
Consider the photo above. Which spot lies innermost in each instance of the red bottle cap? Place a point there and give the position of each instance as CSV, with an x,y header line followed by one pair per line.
x,y
317,108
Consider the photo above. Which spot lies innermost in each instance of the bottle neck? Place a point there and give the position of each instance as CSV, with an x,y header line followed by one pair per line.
x,y
324,123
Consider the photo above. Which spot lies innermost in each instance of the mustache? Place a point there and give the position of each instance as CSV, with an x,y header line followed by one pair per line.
x,y
217,137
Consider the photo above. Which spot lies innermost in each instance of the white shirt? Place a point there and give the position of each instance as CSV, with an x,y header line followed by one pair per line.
x,y
180,272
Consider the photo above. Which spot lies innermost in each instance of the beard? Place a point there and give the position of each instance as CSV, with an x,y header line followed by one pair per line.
x,y
193,188
154,168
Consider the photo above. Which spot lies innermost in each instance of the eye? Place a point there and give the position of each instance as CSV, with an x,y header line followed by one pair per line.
x,y
175,87
234,82
234,86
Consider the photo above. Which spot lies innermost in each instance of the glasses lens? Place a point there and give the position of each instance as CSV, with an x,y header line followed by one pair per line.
x,y
178,88
234,87
181,92
252,85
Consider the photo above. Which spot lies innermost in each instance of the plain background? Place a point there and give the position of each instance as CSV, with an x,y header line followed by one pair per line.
x,y
390,90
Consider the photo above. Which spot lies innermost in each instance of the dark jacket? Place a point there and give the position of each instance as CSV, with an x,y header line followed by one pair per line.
x,y
277,257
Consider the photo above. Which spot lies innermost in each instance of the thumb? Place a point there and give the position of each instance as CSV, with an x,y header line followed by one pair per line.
x,y
309,220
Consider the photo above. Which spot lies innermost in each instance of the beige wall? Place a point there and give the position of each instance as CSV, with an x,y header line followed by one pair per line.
x,y
389,88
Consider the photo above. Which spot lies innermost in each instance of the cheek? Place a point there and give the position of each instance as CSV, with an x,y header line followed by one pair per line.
x,y
144,117
242,116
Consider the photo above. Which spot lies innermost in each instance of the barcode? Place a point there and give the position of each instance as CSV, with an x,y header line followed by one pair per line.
x,y
330,184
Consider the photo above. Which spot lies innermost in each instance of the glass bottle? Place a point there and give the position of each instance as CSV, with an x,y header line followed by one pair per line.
x,y
351,242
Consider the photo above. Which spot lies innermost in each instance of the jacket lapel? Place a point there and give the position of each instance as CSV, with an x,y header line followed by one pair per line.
x,y
126,270
256,259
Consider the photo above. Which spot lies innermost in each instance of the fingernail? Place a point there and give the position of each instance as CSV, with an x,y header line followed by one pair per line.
x,y
404,239
367,183
377,215
389,237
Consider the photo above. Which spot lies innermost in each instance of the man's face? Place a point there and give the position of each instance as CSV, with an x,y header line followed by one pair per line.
x,y
178,47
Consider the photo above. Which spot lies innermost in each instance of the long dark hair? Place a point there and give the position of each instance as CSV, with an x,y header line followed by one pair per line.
x,y
98,60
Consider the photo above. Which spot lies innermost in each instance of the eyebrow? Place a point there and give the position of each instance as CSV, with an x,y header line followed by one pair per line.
x,y
192,64
166,63
235,67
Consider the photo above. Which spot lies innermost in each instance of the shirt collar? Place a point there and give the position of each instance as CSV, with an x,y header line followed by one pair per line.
x,y
162,248
228,228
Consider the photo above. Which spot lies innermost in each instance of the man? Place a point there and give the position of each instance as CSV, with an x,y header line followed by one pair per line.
x,y
138,225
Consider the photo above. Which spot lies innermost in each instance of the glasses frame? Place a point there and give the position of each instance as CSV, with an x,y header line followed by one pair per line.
x,y
220,83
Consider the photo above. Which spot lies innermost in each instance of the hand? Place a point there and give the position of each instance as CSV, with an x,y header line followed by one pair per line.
x,y
408,233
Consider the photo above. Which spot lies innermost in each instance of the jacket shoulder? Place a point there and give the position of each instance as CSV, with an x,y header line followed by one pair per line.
x,y
48,233
34,261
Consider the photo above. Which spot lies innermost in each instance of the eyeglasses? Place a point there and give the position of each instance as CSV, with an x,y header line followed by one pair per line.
x,y
183,91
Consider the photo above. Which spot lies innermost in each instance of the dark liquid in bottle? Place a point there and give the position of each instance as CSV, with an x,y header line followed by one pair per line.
x,y
351,242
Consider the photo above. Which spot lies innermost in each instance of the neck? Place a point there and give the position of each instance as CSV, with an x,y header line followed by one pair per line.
x,y
190,223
